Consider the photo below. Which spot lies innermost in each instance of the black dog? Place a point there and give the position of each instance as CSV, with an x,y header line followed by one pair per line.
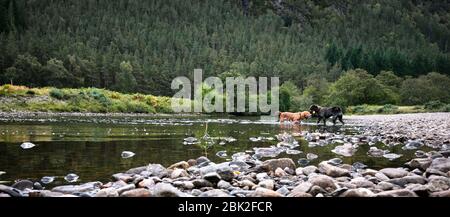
x,y
326,112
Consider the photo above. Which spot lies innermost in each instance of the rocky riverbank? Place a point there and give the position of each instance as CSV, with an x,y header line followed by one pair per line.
x,y
271,178
247,175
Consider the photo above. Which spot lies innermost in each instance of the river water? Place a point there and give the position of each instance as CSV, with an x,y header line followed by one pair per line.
x,y
91,146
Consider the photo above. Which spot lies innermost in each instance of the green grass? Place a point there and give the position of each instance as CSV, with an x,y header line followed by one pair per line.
x,y
48,99
385,109
21,98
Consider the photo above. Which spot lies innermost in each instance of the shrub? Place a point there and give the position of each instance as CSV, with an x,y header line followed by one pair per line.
x,y
446,108
56,93
388,108
434,105
31,92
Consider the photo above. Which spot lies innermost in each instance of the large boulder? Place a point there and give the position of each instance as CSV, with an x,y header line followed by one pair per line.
x,y
414,179
273,164
394,172
139,192
441,164
420,163
73,189
330,170
264,192
357,192
167,190
324,182
397,193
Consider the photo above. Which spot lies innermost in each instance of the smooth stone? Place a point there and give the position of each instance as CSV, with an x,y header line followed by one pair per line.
x,y
323,181
415,179
127,154
441,164
273,164
335,161
299,171
125,188
309,169
107,192
247,183
201,160
200,183
330,170
27,145
445,193
122,176
420,190
71,189
212,177
394,172
420,163
178,173
438,183
303,161
157,170
167,190
303,187
136,170
369,172
283,191
47,179
315,190
268,183
223,184
37,186
214,193
361,182
139,192
23,184
71,177
262,176
264,192
180,165
196,192
358,192
13,192
311,156
396,193
380,176
279,172
226,173
429,172
192,162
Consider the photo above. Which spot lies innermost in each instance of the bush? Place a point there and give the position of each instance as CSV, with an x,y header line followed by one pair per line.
x,y
388,108
434,105
31,92
446,108
56,93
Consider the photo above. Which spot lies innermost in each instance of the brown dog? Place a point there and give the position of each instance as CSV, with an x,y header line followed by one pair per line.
x,y
294,117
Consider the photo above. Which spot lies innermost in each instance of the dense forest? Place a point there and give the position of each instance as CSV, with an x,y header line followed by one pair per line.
x,y
320,46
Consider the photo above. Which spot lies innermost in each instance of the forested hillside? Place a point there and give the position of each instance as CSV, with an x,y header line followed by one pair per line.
x,y
141,45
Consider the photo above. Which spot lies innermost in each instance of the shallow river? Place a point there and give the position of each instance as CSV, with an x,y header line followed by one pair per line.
x,y
91,146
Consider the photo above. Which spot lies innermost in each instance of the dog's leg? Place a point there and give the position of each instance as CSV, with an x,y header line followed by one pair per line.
x,y
334,120
324,122
318,120
340,119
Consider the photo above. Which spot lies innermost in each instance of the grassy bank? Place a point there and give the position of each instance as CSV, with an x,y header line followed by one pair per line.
x,y
434,106
47,99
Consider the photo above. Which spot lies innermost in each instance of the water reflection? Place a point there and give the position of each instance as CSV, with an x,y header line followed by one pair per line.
x,y
92,147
